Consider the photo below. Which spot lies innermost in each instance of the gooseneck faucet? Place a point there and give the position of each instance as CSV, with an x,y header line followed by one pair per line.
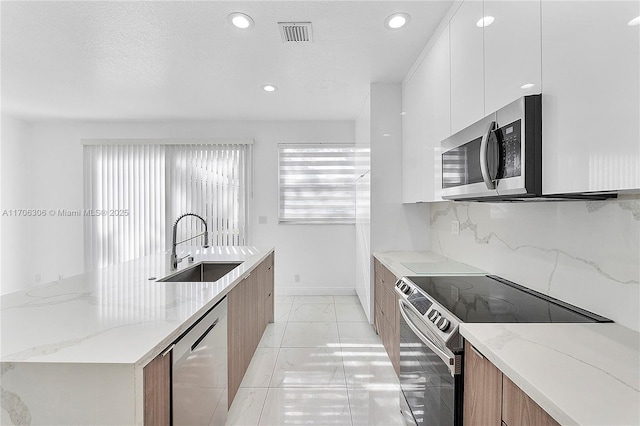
x,y
174,258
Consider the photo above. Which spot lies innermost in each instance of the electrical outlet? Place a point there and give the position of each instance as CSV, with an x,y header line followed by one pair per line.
x,y
455,227
262,220
296,278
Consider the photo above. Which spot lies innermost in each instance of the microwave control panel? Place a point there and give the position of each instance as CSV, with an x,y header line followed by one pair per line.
x,y
510,150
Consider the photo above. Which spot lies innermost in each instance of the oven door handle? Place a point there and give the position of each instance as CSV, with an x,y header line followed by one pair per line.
x,y
450,360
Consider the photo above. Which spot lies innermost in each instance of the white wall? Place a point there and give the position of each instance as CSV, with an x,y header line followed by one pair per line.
x,y
321,255
17,238
585,253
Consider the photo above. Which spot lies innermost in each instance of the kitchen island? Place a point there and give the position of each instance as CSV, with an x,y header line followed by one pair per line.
x,y
73,351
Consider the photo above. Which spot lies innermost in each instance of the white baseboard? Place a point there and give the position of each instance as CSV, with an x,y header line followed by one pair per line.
x,y
314,291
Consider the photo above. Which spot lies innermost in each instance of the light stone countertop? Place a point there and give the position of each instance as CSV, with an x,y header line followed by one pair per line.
x,y
411,263
114,315
581,374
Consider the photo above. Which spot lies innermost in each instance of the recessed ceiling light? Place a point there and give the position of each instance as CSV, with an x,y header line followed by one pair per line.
x,y
485,22
240,20
269,88
634,21
527,86
386,135
397,20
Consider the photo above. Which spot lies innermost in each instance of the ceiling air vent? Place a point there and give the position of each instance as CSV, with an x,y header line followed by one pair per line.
x,y
295,31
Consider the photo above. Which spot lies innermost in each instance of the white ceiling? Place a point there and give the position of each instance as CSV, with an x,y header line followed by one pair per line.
x,y
183,60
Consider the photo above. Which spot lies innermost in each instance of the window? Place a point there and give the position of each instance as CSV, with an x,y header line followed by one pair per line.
x,y
134,192
317,182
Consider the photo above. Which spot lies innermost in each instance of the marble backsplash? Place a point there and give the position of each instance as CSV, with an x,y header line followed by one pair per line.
x,y
583,252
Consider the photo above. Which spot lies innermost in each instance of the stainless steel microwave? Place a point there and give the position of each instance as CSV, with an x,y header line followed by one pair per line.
x,y
498,157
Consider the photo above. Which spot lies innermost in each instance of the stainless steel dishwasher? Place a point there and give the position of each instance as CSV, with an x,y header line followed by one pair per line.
x,y
199,393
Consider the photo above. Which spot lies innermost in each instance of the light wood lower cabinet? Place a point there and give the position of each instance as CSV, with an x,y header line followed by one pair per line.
x,y
482,390
520,410
250,309
157,391
386,313
491,399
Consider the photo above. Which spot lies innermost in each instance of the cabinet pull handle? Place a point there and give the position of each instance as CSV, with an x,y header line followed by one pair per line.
x,y
201,338
473,348
169,349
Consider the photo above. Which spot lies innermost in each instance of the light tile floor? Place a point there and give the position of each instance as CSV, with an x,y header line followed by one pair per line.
x,y
319,363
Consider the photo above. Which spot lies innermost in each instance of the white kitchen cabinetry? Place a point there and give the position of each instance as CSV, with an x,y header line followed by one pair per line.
x,y
591,95
512,56
467,77
425,123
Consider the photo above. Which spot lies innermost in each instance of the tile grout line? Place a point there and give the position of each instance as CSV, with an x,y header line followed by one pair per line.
x,y
344,370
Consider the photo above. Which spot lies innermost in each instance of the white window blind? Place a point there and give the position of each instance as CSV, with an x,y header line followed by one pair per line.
x,y
317,182
135,193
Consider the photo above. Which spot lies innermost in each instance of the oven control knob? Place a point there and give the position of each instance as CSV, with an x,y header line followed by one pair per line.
x,y
405,289
443,324
433,315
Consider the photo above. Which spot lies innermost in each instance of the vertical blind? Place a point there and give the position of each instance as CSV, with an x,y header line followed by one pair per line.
x,y
134,193
317,182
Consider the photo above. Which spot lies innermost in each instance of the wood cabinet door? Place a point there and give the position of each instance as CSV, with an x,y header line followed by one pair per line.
x,y
270,287
386,313
520,410
157,391
482,403
237,331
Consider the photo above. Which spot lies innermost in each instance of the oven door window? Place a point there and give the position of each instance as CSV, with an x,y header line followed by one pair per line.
x,y
426,382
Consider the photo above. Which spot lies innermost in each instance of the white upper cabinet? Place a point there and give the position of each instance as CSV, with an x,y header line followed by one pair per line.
x,y
425,123
512,55
467,80
591,95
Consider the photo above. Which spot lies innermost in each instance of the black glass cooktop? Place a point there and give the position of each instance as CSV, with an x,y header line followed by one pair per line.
x,y
494,299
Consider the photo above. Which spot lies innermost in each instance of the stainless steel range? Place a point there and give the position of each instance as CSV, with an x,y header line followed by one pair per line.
x,y
431,347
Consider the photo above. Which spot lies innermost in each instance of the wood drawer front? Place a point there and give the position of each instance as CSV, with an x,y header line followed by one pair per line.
x,y
520,410
389,279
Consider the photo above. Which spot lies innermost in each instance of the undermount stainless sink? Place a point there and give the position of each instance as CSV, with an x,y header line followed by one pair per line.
x,y
203,272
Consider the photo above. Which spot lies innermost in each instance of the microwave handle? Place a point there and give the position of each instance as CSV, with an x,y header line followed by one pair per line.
x,y
484,160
